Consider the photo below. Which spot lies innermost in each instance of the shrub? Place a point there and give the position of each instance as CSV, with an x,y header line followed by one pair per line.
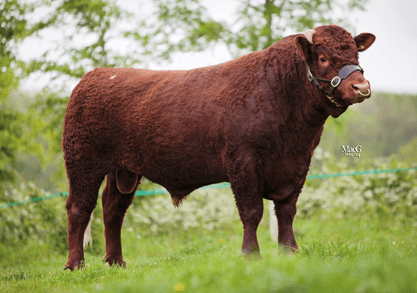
x,y
204,209
43,221
379,194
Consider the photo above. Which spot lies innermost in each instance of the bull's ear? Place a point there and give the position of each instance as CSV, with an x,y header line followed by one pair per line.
x,y
364,41
303,46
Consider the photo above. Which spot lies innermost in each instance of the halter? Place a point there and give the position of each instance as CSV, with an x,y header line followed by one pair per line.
x,y
334,83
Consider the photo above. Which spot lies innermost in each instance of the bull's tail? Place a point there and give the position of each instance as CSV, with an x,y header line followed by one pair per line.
x,y
88,240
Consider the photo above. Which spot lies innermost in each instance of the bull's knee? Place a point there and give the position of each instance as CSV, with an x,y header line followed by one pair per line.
x,y
252,217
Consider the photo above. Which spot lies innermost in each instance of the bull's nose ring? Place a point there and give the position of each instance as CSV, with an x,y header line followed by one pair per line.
x,y
364,95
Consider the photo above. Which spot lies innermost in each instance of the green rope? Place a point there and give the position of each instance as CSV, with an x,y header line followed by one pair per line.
x,y
322,176
219,185
11,204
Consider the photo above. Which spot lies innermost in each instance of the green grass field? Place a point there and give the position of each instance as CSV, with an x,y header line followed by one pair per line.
x,y
337,254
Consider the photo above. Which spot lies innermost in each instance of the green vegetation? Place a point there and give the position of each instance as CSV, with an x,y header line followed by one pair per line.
x,y
382,125
354,253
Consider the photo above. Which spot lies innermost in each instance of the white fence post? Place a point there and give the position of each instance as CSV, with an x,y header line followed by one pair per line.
x,y
273,223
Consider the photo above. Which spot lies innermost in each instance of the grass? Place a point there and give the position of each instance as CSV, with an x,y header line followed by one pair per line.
x,y
337,254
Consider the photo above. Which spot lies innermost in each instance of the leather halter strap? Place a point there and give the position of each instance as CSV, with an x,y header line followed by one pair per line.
x,y
334,83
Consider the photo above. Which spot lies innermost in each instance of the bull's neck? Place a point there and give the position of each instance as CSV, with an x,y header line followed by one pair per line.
x,y
318,107
293,92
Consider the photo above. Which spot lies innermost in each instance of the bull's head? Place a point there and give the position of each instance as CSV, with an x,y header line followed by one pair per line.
x,y
331,58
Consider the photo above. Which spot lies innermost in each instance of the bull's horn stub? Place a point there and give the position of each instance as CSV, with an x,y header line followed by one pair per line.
x,y
309,35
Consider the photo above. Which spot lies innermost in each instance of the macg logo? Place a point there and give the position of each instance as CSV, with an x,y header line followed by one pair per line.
x,y
350,151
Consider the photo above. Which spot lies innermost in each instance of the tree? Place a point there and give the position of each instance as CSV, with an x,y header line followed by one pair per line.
x,y
87,32
173,26
13,28
185,25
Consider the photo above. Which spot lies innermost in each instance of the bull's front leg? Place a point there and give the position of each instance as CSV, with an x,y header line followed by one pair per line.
x,y
248,195
285,211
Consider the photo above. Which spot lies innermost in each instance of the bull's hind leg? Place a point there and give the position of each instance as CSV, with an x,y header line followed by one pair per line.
x,y
117,196
81,201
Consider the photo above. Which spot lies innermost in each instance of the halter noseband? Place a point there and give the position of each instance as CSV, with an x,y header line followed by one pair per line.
x,y
334,83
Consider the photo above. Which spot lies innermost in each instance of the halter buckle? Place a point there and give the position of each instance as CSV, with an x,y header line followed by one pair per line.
x,y
335,81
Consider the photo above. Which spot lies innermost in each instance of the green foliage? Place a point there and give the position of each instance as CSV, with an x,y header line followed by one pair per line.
x,y
381,125
87,28
339,127
41,221
10,136
396,120
178,25
408,151
185,25
206,209
12,30
380,195
46,117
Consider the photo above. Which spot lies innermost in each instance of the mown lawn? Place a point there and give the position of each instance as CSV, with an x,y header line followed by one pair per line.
x,y
337,254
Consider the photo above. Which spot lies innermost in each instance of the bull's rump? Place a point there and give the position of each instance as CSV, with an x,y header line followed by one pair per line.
x,y
165,125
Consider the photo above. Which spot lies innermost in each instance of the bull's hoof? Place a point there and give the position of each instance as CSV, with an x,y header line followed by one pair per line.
x,y
251,255
287,248
114,262
80,265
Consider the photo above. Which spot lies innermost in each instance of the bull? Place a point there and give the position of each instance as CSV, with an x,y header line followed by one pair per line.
x,y
253,121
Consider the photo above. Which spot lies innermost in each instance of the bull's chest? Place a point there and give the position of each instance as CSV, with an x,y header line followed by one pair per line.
x,y
285,172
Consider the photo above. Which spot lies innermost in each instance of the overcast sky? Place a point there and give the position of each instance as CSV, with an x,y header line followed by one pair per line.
x,y
390,64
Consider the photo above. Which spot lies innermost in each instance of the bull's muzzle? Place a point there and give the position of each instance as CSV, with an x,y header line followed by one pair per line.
x,y
362,90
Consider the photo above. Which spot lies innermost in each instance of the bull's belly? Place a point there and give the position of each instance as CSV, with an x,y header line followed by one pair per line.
x,y
184,185
179,171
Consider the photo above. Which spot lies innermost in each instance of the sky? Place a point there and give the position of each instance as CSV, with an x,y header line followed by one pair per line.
x,y
390,64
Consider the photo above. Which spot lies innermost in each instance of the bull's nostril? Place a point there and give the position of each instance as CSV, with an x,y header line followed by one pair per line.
x,y
355,87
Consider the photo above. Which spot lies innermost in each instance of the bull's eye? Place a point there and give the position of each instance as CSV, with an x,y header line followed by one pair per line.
x,y
323,60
